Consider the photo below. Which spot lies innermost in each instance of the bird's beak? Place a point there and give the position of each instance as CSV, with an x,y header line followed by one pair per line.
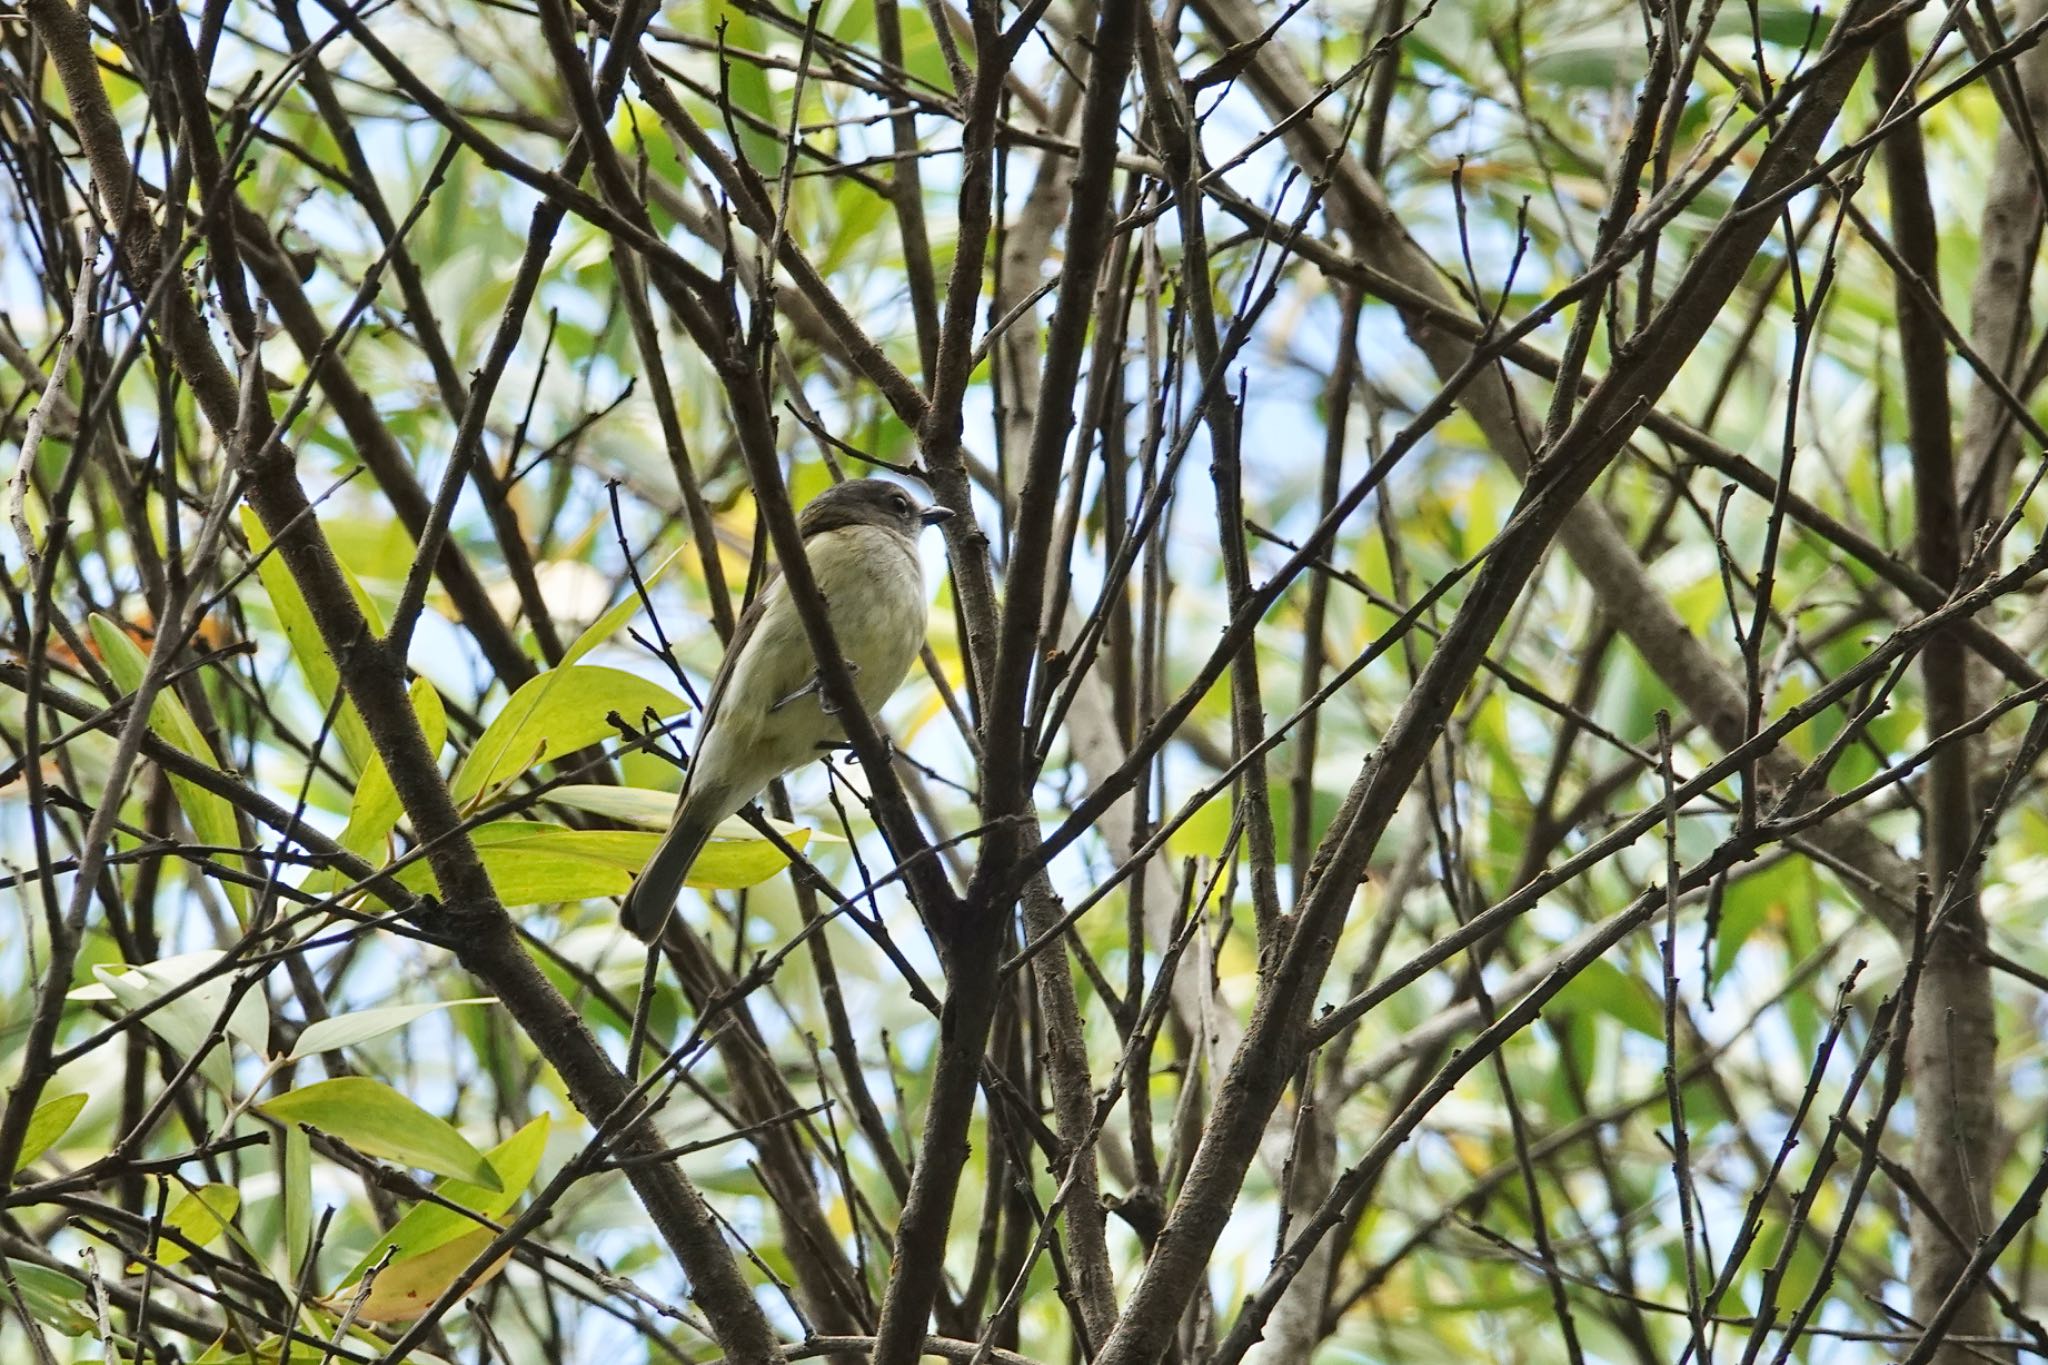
x,y
932,516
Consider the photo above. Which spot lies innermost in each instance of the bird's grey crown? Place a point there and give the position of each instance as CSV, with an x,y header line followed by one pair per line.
x,y
864,502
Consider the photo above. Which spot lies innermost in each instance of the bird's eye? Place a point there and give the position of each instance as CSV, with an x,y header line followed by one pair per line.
x,y
902,505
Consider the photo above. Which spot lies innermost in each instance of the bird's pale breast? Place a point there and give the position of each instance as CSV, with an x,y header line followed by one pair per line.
x,y
873,584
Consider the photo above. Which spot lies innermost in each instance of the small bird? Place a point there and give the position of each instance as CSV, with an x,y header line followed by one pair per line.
x,y
767,712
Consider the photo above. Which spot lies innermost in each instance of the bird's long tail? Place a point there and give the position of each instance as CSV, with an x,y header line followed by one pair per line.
x,y
653,897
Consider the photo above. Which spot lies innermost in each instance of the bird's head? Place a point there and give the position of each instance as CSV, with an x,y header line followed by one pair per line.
x,y
870,502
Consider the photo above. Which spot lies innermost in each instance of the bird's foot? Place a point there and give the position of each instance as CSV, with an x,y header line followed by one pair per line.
x,y
815,687
888,750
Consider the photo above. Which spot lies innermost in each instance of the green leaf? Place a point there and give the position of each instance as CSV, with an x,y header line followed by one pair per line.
x,y
346,1030
51,1120
198,1216
1204,833
650,808
295,1170
375,1119
405,1289
532,863
431,1225
615,616
1785,25
374,811
748,85
1604,988
1756,900
212,818
269,1352
557,713
373,548
376,807
1595,65
304,637
186,1022
54,1298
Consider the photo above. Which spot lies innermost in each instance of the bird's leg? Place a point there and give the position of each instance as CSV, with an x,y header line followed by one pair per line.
x,y
888,749
815,686
841,746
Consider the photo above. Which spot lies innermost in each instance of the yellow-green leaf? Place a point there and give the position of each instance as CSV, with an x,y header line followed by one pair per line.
x,y
295,1176
307,647
405,1289
51,1120
198,1216
346,1030
375,809
211,817
375,1119
1603,987
557,713
615,616
432,1225
533,863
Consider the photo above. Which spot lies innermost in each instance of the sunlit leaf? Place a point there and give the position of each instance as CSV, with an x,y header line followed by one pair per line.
x,y
533,863
405,1289
347,1030
618,614
1603,988
652,809
50,1121
198,1216
1205,832
187,1021
378,1121
553,715
748,84
295,1170
322,678
376,807
429,1225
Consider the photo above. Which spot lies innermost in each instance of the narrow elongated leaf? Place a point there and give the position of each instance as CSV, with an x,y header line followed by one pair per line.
x,y
532,863
751,93
295,1169
198,1216
430,1225
557,713
54,1298
51,1120
1604,987
405,1289
375,1119
615,616
375,809
322,678
186,1022
652,809
211,817
346,1030
642,806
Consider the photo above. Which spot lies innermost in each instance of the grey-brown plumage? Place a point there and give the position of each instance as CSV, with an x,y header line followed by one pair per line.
x,y
766,713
